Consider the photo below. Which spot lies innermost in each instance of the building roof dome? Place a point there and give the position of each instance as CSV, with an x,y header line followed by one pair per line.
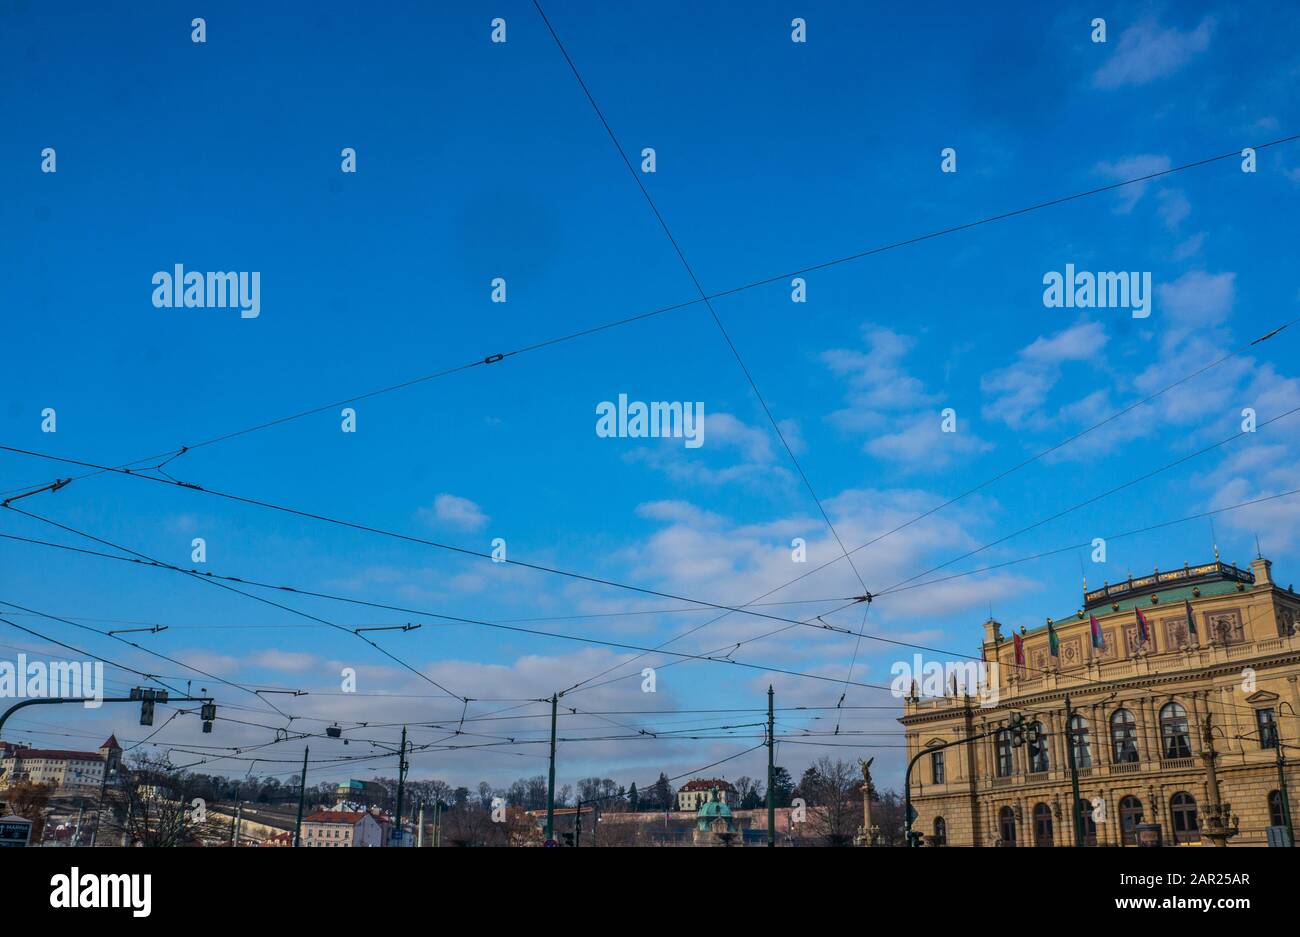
x,y
715,806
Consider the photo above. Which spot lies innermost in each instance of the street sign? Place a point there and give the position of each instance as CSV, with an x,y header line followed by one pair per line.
x,y
15,831
550,843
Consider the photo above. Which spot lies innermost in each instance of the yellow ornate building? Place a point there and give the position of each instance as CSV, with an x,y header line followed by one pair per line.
x,y
1138,733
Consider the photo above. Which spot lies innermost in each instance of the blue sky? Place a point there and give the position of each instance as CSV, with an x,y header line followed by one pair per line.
x,y
479,160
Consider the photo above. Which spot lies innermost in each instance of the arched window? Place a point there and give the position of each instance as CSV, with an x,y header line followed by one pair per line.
x,y
1186,827
940,832
1038,749
1173,732
1130,815
1002,748
1089,824
1276,815
1007,826
1123,737
1042,825
1079,742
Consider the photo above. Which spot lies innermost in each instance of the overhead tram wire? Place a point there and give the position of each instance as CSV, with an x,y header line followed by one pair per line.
x,y
157,564
679,598
139,647
598,580
1082,504
257,598
722,329
790,622
982,485
753,284
464,551
1080,546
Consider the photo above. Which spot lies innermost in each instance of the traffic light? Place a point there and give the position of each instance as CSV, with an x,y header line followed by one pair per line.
x,y
147,698
1022,733
208,712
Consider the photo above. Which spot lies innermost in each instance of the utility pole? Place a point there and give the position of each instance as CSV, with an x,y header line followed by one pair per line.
x,y
771,770
1281,787
1077,812
401,784
577,827
302,798
419,827
234,825
550,784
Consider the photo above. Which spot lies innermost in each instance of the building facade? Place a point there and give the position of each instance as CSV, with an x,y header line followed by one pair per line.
x,y
342,828
697,791
1141,710
68,771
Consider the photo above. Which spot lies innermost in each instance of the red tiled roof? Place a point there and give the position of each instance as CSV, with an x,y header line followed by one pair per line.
x,y
56,754
111,743
336,816
707,784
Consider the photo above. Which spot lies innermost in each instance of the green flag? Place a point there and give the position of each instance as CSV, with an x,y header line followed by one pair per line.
x,y
1053,642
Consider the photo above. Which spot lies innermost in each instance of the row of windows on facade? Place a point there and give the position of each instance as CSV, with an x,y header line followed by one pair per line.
x,y
1182,811
1175,741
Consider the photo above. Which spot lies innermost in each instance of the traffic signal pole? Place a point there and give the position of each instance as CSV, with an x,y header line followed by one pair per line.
x,y
550,784
4,717
401,784
302,798
1074,772
771,770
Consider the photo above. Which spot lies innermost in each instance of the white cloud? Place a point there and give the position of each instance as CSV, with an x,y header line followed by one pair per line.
x,y
452,511
1132,167
901,416
1017,393
1146,52
1195,302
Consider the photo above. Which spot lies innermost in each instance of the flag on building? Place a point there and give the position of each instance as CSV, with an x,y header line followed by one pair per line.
x,y
1143,632
1053,642
1020,650
1097,640
1191,618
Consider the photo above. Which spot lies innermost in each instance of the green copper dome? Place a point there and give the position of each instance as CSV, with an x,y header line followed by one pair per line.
x,y
712,810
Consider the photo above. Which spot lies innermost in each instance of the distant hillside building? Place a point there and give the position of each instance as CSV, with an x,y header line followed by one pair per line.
x,y
69,771
341,828
362,792
696,792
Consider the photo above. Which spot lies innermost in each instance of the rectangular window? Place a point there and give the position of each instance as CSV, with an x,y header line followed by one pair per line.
x,y
1266,719
936,767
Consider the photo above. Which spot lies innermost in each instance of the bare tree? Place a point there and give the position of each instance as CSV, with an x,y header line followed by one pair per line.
x,y
834,791
467,825
151,803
